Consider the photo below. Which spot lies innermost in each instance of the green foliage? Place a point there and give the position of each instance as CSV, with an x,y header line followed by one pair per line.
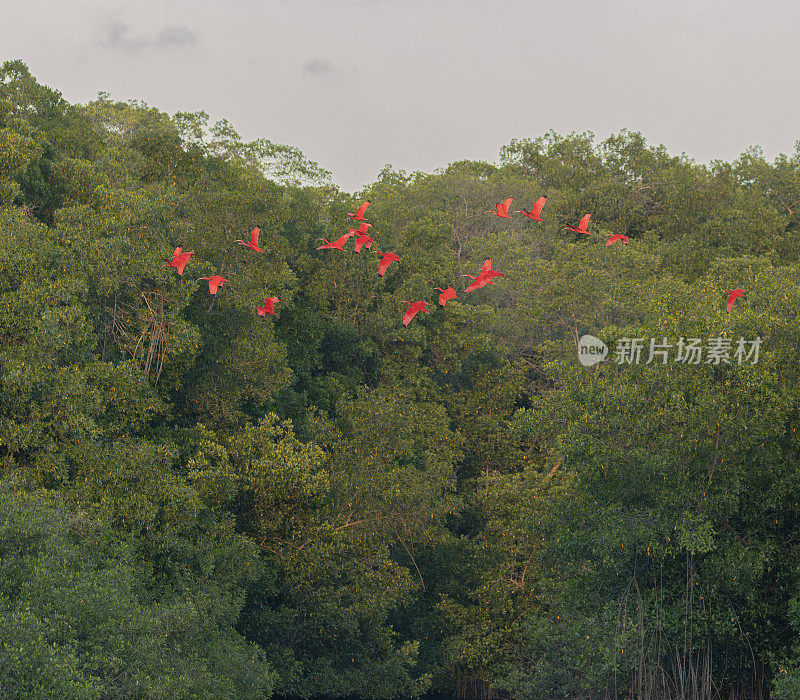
x,y
84,613
202,502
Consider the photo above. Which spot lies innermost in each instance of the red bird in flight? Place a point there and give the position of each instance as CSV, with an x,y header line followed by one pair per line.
x,y
214,282
446,295
501,210
413,309
363,241
535,211
484,277
386,260
269,304
338,244
582,225
178,260
732,297
617,237
359,215
253,244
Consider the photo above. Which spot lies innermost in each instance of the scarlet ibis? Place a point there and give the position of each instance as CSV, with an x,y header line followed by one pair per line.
x,y
365,241
478,283
617,237
359,215
535,211
413,309
253,244
732,297
178,260
484,277
269,304
446,295
501,210
582,225
338,244
386,260
214,282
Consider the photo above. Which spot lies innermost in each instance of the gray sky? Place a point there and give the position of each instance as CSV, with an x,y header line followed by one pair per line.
x,y
357,84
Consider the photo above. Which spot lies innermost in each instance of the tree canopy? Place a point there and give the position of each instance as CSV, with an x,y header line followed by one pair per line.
x,y
197,501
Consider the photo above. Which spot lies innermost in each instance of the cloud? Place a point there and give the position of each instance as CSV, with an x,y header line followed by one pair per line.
x,y
318,68
118,36
175,36
323,69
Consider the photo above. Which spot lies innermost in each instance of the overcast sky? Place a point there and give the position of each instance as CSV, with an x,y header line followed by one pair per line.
x,y
357,84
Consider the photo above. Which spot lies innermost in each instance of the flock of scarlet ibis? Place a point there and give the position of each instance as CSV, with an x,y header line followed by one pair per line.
x,y
180,258
501,210
535,213
364,240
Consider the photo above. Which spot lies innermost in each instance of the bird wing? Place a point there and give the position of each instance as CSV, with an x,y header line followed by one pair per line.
x,y
505,206
536,209
362,209
487,265
176,253
472,287
339,242
480,281
388,259
584,222
734,295
254,237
